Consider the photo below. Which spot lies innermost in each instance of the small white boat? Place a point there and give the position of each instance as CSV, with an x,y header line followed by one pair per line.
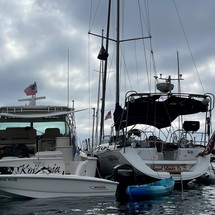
x,y
43,176
38,146
54,185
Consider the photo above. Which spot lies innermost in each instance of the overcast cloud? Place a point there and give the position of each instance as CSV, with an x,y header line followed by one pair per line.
x,y
35,36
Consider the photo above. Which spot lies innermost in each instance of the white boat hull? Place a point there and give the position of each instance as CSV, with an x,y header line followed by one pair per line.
x,y
146,162
51,161
54,185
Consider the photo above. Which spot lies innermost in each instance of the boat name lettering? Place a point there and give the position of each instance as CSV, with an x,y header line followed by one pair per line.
x,y
9,179
170,168
103,147
27,169
125,170
102,187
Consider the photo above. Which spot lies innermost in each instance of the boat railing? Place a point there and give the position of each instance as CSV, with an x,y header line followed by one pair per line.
x,y
133,94
23,109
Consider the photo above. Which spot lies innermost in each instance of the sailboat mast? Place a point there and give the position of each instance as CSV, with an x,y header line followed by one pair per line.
x,y
179,76
117,51
105,76
179,90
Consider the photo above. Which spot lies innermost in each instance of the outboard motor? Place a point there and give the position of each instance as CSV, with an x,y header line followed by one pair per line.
x,y
124,174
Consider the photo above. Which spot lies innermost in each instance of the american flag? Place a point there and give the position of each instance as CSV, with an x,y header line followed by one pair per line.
x,y
31,89
210,146
108,116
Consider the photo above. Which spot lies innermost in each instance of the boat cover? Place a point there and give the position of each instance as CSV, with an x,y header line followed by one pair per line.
x,y
151,111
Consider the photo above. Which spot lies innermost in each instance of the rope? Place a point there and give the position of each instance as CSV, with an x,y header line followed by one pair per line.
x,y
182,189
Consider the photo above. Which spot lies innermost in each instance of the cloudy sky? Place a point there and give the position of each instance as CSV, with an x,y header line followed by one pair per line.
x,y
37,37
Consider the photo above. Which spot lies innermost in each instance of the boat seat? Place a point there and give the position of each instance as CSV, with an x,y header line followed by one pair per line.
x,y
49,138
3,135
51,133
18,139
26,133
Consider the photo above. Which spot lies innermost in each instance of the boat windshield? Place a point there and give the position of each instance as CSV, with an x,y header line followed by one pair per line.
x,y
38,126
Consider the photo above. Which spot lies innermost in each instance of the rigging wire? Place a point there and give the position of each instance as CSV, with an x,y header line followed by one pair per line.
x,y
151,66
89,77
91,23
122,54
135,48
143,22
191,54
144,45
91,20
152,59
148,27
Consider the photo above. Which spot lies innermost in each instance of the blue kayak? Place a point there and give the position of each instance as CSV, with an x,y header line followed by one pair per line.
x,y
156,189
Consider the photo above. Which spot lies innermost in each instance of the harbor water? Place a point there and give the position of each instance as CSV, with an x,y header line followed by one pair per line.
x,y
197,199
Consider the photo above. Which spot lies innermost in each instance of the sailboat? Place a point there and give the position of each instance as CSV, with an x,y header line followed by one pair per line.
x,y
151,135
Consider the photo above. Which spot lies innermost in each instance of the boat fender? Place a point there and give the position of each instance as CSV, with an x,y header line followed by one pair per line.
x,y
81,169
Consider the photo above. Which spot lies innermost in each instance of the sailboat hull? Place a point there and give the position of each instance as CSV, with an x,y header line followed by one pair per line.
x,y
148,163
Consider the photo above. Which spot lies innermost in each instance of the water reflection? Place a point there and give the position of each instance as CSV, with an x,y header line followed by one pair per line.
x,y
197,200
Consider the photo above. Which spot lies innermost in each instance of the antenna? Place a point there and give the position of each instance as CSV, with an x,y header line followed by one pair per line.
x,y
68,81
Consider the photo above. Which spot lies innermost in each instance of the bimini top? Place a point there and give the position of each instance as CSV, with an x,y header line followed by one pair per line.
x,y
157,110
